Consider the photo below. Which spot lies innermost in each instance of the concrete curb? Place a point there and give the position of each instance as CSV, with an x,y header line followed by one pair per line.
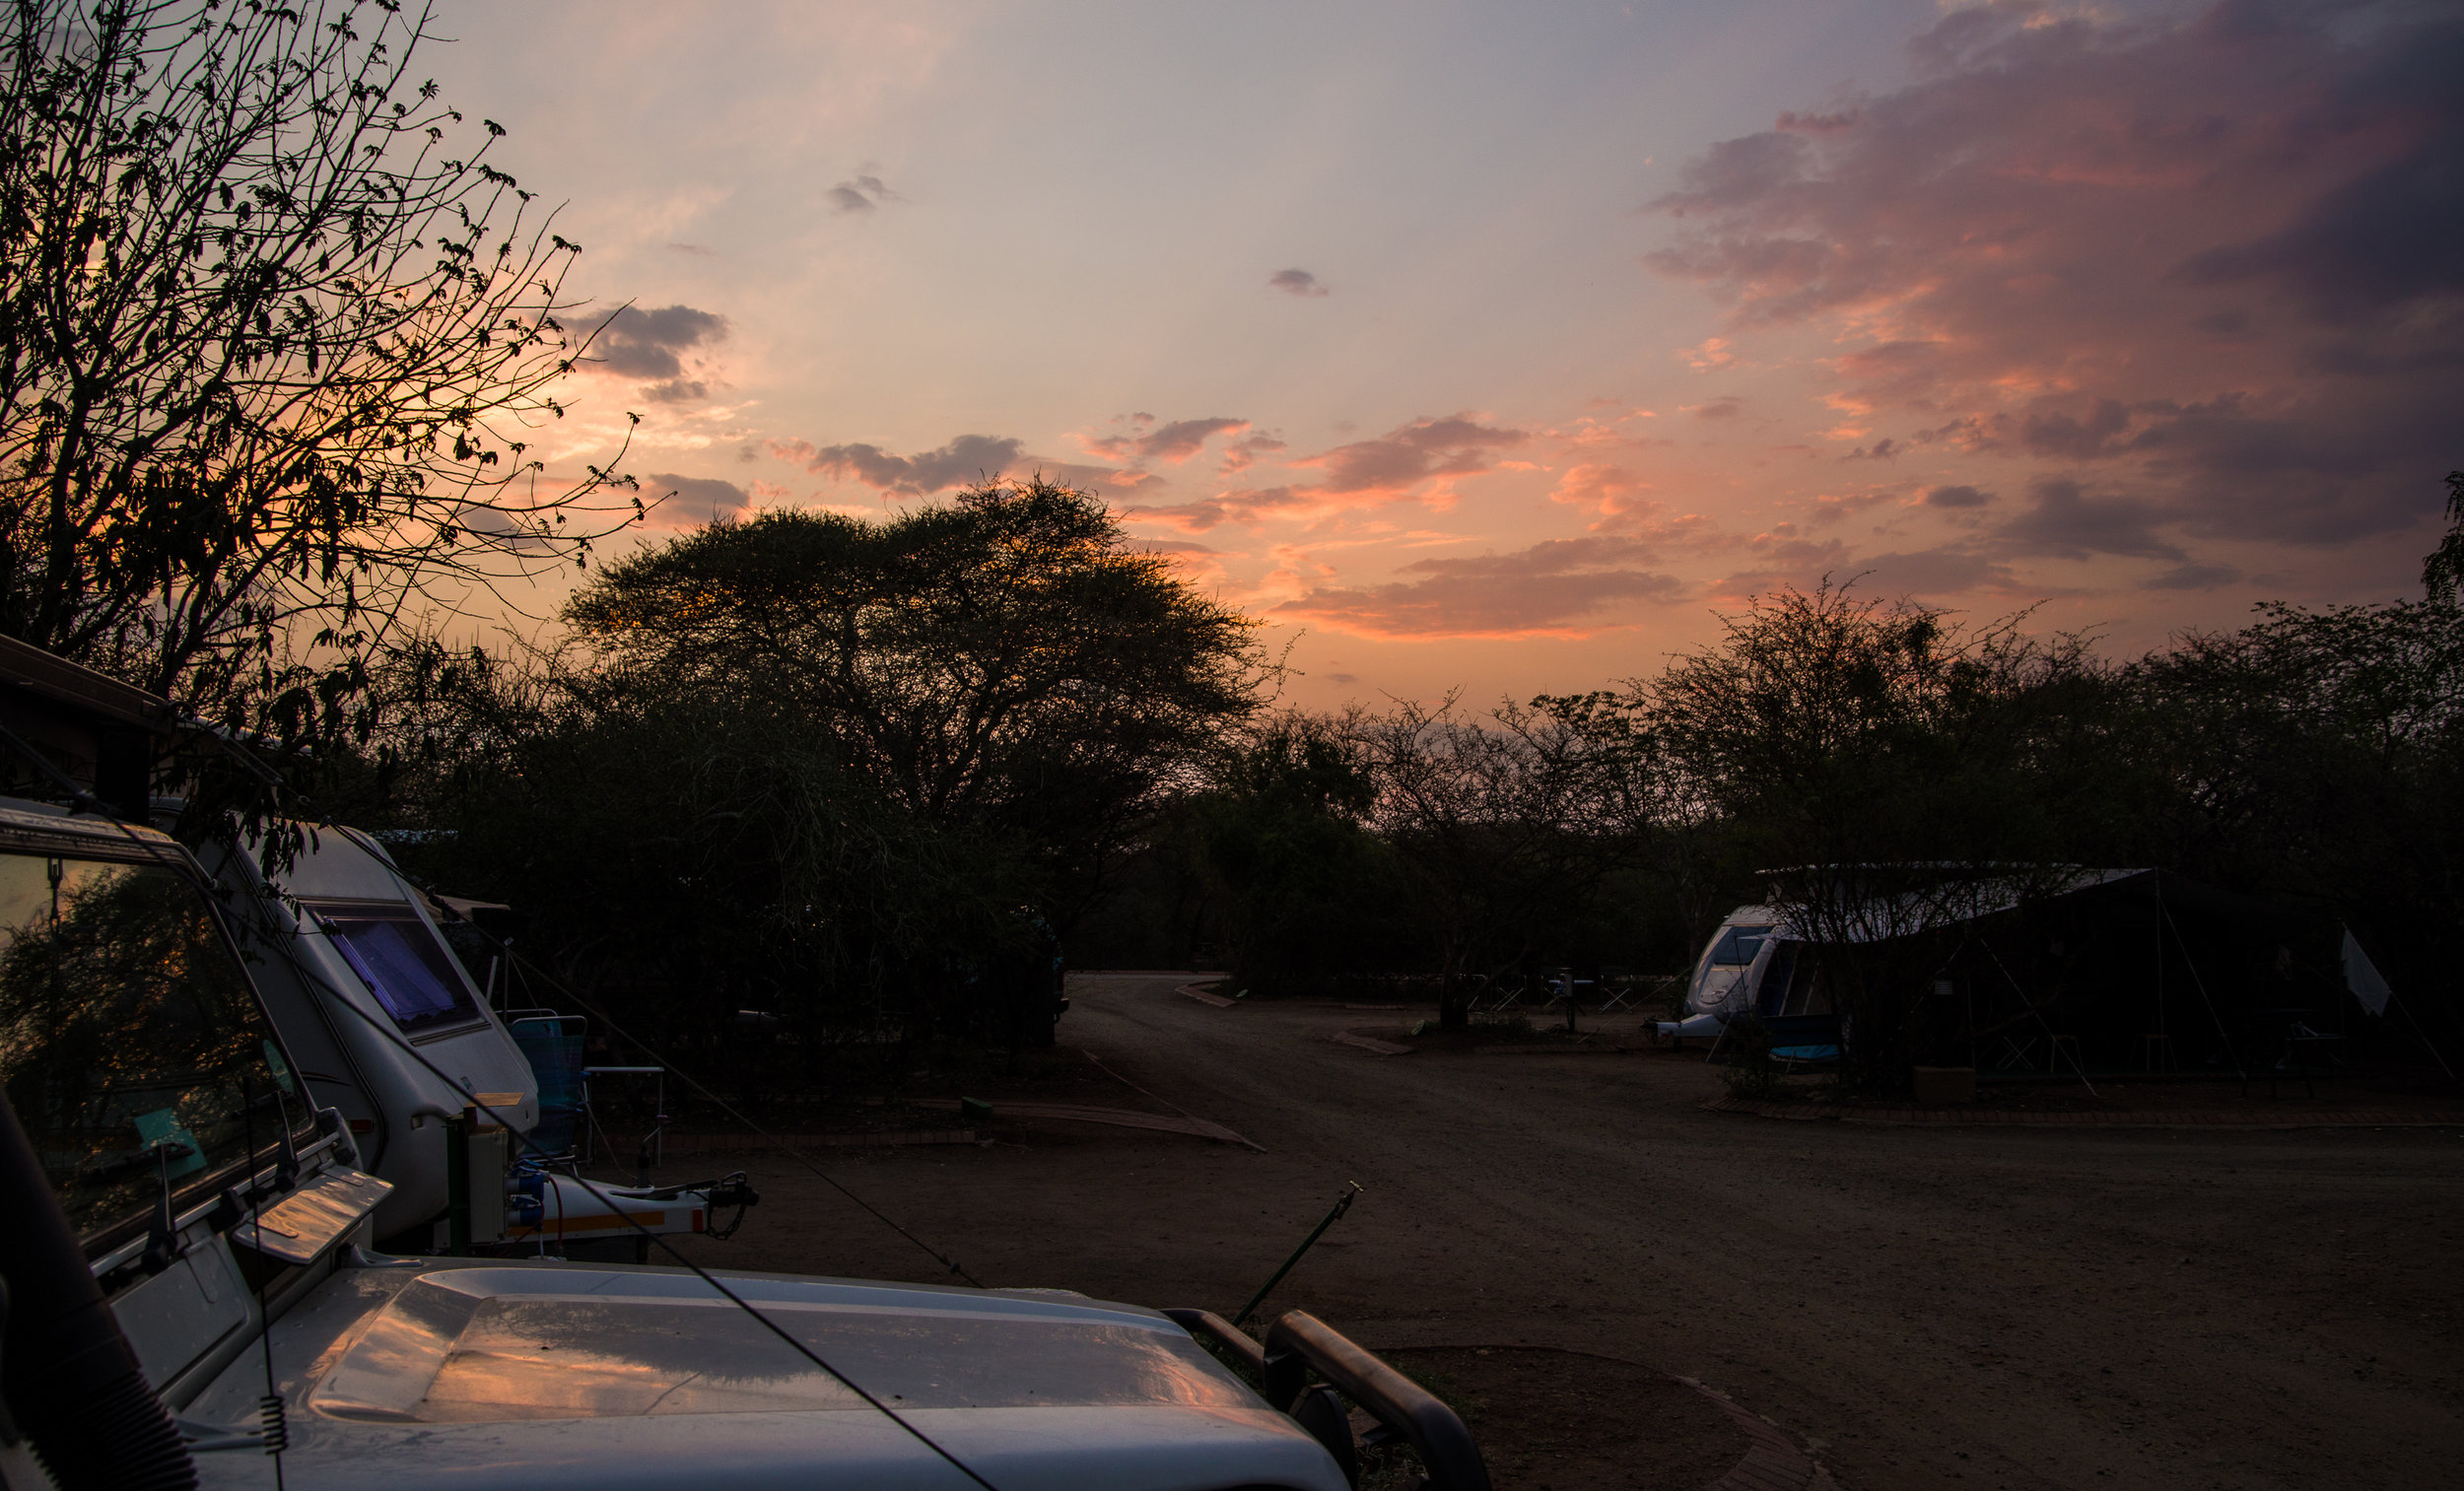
x,y
1119,1118
1986,1117
733,1143
1370,1043
1551,1049
1192,991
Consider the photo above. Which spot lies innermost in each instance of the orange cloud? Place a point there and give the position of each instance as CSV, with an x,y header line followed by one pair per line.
x,y
1605,491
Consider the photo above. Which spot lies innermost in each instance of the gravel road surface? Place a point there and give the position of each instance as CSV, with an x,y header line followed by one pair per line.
x,y
1933,1307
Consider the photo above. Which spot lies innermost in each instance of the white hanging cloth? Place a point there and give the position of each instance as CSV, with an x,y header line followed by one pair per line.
x,y
2363,978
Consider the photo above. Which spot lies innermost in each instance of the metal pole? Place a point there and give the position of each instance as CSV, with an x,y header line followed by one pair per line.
x,y
1342,1204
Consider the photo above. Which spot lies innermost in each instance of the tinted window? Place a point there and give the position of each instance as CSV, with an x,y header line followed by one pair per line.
x,y
131,1044
402,964
1739,945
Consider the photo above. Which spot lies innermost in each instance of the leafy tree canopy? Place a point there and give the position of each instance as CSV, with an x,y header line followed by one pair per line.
x,y
1008,659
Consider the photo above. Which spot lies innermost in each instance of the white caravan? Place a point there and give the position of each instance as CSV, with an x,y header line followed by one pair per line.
x,y
1747,966
360,980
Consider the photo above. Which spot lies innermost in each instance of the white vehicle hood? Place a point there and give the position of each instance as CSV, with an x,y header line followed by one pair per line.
x,y
538,1377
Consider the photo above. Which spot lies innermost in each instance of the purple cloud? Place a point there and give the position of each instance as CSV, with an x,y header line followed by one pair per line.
x,y
699,499
2065,522
1956,496
2209,259
1456,445
1182,438
968,458
860,194
649,344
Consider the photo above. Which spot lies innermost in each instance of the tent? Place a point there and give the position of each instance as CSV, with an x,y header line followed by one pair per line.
x,y
2068,969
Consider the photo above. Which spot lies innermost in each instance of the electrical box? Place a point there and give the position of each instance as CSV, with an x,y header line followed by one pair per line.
x,y
488,1154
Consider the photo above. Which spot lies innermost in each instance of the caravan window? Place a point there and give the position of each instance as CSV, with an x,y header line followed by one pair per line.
x,y
1739,945
401,962
131,1044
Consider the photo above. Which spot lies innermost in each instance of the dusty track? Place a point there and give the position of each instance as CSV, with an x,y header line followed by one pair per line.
x,y
2073,1308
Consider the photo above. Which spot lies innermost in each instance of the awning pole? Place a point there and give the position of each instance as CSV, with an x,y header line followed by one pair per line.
x,y
2202,985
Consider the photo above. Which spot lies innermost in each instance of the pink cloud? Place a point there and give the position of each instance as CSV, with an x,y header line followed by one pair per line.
x,y
2210,257
1414,461
1247,505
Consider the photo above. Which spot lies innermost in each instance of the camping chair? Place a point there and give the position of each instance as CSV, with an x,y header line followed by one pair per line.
x,y
1618,989
2287,1034
2017,1054
2310,1047
654,1143
552,1044
1510,987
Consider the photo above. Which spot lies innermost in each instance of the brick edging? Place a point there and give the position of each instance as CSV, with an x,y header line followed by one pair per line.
x,y
1772,1463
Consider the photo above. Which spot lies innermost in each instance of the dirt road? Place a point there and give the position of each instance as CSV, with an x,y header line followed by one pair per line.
x,y
1969,1308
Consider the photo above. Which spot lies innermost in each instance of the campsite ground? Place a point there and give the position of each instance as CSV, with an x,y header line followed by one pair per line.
x,y
2061,1307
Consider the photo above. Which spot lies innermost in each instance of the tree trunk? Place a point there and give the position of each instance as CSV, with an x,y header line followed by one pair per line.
x,y
1454,995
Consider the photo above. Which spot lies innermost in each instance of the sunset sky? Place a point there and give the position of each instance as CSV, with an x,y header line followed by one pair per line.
x,y
1499,347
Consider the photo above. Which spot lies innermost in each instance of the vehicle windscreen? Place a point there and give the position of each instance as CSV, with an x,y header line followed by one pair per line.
x,y
401,962
1738,946
131,1044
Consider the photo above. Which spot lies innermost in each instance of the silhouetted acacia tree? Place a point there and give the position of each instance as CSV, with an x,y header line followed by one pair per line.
x,y
274,341
1005,663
